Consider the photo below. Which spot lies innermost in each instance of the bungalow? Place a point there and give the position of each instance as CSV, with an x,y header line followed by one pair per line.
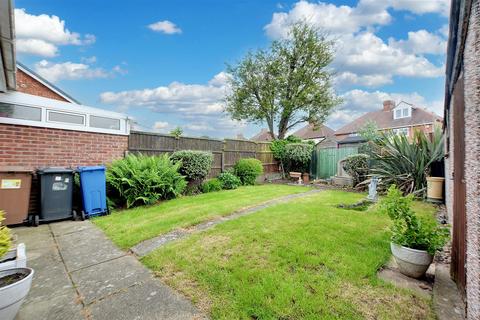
x,y
462,174
263,136
401,118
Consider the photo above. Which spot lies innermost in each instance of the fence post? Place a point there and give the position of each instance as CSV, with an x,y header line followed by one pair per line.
x,y
222,160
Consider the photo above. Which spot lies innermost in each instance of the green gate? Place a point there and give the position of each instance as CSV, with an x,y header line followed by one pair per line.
x,y
325,160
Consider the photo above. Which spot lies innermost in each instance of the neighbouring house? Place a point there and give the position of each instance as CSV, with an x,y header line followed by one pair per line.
x,y
316,134
462,129
263,136
401,118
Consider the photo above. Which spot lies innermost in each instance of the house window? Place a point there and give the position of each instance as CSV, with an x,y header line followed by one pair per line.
x,y
104,123
400,131
15,111
402,113
63,117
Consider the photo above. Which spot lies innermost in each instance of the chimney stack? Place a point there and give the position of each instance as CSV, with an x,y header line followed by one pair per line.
x,y
388,105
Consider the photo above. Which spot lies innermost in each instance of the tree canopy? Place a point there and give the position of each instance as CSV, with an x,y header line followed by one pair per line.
x,y
286,84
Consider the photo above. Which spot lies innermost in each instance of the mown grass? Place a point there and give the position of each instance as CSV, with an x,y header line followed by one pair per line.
x,y
305,259
129,227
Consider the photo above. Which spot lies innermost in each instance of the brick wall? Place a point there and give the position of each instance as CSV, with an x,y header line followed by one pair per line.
x,y
27,84
40,147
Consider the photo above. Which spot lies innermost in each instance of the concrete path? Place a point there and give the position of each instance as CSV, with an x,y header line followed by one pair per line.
x,y
80,274
147,246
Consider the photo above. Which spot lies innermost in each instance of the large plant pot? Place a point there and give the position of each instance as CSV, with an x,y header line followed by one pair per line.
x,y
12,296
15,258
411,262
435,188
306,178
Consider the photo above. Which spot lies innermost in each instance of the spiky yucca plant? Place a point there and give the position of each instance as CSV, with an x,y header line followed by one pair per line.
x,y
406,162
138,179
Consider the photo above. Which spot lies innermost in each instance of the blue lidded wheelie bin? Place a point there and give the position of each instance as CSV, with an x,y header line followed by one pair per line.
x,y
94,194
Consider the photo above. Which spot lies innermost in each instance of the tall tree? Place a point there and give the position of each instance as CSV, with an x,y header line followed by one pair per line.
x,y
286,84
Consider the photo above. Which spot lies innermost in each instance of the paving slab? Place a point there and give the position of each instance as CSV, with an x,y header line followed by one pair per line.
x,y
66,227
447,302
58,307
34,237
86,248
149,301
109,277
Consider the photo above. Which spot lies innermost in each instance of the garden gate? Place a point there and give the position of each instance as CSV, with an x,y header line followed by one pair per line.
x,y
325,160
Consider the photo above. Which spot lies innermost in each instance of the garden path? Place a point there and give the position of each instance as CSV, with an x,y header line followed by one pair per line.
x,y
147,246
80,274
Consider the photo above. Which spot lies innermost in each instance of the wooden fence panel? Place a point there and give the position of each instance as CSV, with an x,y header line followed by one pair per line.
x,y
328,158
225,152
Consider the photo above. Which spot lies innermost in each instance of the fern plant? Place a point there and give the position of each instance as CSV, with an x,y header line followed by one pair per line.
x,y
138,180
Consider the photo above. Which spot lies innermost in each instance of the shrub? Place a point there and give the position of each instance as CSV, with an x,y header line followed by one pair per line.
x,y
137,180
248,170
406,162
212,185
357,167
408,230
229,180
278,149
298,156
5,240
194,165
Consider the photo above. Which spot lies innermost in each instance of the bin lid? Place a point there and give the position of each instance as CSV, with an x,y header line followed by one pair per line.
x,y
13,169
91,168
54,170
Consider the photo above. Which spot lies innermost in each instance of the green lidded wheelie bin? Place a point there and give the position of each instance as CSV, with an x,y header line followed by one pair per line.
x,y
56,193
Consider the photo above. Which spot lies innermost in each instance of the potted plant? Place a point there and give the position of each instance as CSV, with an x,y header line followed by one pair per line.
x,y
15,283
414,241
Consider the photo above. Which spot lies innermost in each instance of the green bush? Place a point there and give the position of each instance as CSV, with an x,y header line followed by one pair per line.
x,y
248,170
195,165
5,238
298,156
137,180
229,180
357,167
407,229
212,185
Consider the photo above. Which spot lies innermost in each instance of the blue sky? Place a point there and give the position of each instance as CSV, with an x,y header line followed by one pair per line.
x,y
162,62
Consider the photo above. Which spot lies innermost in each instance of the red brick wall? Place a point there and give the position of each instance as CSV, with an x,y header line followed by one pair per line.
x,y
37,147
40,147
27,84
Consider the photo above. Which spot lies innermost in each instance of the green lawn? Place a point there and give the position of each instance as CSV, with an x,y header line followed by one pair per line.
x,y
305,259
128,227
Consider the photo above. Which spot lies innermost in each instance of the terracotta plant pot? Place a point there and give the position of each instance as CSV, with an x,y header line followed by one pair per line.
x,y
411,262
435,188
306,177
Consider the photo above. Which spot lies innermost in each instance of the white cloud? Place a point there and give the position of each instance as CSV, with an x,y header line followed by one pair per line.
x,y
420,41
42,34
177,97
165,26
328,17
68,71
89,60
419,6
36,47
362,58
